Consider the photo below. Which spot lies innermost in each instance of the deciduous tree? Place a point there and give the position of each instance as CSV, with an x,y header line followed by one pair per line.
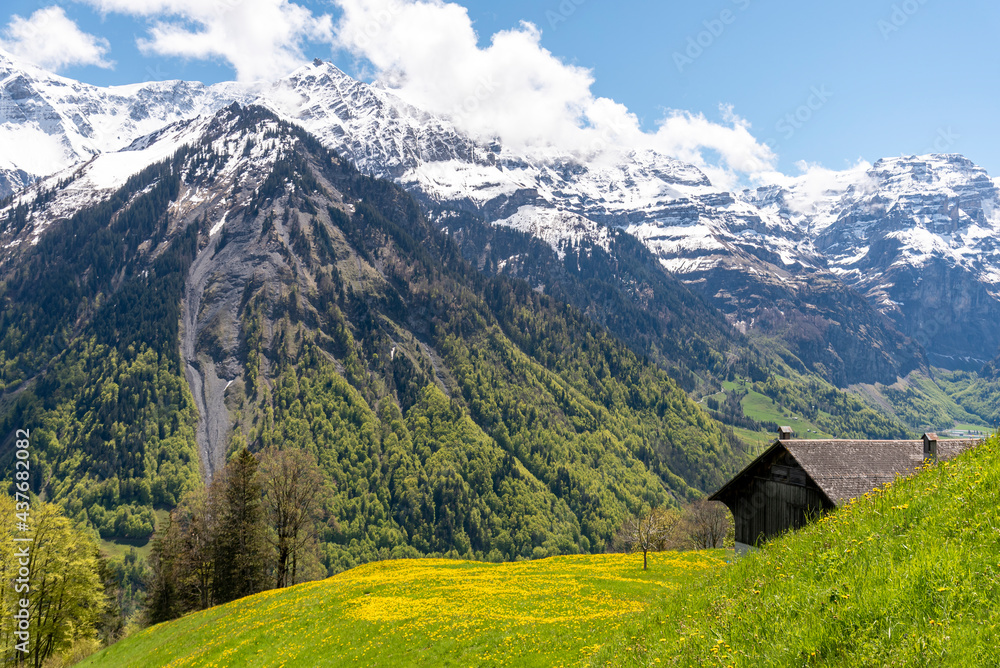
x,y
66,596
649,532
293,499
706,524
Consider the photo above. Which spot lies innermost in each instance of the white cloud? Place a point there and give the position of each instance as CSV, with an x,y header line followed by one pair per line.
x,y
51,40
696,140
815,180
815,191
427,52
260,39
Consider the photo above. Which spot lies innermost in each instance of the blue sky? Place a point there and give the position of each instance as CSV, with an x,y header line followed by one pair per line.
x,y
822,82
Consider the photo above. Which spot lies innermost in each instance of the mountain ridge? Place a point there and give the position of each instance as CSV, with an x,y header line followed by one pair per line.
x,y
254,289
775,261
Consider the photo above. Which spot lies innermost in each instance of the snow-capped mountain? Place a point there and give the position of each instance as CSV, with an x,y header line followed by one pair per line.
x,y
848,270
49,122
219,166
917,236
557,197
934,206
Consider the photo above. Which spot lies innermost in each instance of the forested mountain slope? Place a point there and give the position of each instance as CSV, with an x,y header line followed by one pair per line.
x,y
254,288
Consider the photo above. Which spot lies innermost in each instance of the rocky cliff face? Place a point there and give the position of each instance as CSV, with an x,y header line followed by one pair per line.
x,y
917,237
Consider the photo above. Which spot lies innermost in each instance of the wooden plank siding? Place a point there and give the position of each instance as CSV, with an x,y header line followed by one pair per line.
x,y
774,497
770,508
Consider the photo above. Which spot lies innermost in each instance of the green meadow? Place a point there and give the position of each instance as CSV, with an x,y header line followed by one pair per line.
x,y
550,612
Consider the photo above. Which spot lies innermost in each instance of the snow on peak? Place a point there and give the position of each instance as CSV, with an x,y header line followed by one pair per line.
x,y
241,153
49,123
929,206
562,230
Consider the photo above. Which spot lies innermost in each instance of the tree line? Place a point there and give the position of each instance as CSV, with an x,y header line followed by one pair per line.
x,y
256,527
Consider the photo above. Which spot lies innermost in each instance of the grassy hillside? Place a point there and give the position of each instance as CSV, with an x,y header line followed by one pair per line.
x,y
909,576
940,401
977,394
550,612
814,408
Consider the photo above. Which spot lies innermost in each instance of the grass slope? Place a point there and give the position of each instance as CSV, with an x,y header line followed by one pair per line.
x,y
908,576
549,612
117,548
758,407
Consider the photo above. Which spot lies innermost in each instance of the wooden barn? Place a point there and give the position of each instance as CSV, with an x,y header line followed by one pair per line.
x,y
794,480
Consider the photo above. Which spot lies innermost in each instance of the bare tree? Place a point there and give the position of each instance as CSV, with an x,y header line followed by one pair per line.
x,y
293,497
707,523
649,532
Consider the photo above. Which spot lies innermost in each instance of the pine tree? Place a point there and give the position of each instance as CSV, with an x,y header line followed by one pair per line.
x,y
241,543
163,602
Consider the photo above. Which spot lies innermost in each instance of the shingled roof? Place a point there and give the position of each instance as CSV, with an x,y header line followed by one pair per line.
x,y
846,469
953,448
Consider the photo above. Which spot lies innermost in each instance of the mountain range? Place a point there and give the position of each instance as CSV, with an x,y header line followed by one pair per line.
x,y
866,275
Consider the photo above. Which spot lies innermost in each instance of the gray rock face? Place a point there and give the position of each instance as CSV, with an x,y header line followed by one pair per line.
x,y
244,256
764,274
14,180
243,248
918,237
945,309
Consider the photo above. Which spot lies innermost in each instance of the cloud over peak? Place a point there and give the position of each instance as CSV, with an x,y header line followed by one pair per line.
x,y
428,53
260,39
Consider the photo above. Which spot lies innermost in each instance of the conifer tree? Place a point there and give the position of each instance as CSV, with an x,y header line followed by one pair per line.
x,y
241,542
163,601
199,530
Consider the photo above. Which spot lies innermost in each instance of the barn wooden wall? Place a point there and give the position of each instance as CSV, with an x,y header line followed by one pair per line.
x,y
767,508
